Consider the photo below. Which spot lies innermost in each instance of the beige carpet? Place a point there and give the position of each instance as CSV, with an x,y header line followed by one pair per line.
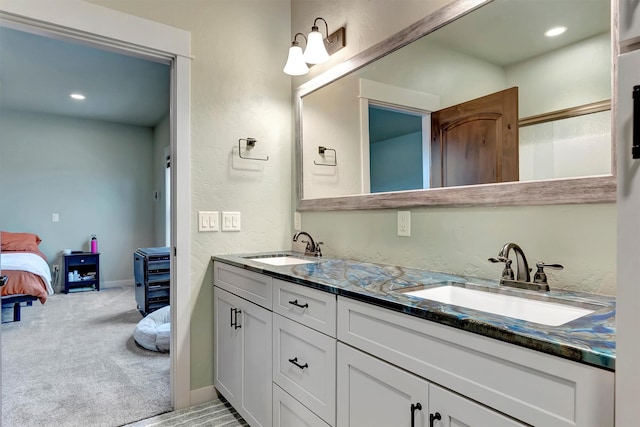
x,y
73,362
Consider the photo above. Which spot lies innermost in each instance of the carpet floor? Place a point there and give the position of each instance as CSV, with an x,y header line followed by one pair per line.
x,y
73,362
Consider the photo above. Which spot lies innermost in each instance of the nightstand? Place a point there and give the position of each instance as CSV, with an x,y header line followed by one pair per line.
x,y
87,265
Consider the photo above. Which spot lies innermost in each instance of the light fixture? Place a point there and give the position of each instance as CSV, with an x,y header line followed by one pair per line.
x,y
77,96
295,65
555,31
316,52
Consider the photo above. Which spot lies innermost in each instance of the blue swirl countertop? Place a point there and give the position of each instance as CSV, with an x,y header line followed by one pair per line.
x,y
589,339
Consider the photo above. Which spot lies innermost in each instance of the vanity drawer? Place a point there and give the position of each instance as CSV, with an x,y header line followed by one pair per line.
x,y
288,412
531,386
304,365
311,307
251,286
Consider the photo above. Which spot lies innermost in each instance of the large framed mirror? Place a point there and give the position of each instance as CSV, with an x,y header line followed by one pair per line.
x,y
369,131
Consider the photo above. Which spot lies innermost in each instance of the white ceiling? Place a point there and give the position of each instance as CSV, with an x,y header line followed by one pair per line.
x,y
505,32
37,74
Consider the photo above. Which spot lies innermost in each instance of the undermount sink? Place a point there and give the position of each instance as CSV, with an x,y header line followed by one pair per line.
x,y
532,310
280,259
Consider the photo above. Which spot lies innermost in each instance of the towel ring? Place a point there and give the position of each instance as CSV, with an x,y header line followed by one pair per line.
x,y
250,143
321,151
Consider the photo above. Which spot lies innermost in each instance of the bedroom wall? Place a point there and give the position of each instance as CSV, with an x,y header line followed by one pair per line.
x,y
97,176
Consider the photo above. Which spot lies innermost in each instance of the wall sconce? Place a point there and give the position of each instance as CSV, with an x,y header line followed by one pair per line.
x,y
295,65
317,50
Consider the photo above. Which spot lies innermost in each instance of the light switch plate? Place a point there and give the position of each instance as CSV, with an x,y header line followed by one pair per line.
x,y
231,221
404,223
208,221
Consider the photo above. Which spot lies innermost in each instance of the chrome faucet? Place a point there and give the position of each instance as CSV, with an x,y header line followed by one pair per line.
x,y
523,272
312,248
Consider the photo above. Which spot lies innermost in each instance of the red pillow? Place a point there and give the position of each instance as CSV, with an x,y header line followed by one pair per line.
x,y
26,242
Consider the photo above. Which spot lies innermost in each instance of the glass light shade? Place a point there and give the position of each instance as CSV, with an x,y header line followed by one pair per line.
x,y
295,65
316,52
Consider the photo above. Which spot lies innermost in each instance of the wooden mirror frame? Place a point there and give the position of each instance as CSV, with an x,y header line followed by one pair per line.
x,y
595,189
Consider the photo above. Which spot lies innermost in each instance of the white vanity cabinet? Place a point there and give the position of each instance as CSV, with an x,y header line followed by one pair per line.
x,y
530,386
242,340
289,355
374,393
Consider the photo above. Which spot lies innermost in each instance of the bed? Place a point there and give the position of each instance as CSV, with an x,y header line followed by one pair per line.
x,y
27,273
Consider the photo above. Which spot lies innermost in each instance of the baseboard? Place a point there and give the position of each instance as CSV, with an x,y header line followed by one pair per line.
x,y
204,394
117,283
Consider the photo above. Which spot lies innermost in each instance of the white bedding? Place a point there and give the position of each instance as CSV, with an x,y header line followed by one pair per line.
x,y
27,262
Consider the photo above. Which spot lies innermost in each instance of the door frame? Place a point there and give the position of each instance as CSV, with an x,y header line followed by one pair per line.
x,y
124,33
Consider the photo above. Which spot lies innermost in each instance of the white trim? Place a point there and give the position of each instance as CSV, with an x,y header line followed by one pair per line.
x,y
204,394
396,95
398,98
365,141
181,235
118,31
97,23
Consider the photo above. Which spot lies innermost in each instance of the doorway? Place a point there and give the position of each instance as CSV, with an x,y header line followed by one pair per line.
x,y
131,35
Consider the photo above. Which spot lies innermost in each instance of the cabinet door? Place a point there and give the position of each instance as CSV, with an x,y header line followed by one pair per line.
x,y
228,346
627,378
373,393
255,323
452,410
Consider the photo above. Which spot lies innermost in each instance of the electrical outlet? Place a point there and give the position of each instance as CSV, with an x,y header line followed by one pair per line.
x,y
404,223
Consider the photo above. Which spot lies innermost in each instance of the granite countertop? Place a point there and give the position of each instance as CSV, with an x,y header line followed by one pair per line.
x,y
589,339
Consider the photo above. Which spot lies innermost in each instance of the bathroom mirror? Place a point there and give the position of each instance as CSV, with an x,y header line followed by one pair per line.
x,y
465,51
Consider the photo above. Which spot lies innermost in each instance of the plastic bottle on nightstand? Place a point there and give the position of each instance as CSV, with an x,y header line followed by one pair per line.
x,y
94,244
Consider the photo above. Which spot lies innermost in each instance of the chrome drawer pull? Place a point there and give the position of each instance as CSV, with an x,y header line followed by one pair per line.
x,y
295,362
297,304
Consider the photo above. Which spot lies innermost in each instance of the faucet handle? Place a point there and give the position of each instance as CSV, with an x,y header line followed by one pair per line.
x,y
541,276
318,250
552,266
507,273
310,246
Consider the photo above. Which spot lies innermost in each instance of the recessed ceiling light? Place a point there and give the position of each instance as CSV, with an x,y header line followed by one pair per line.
x,y
78,96
555,31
